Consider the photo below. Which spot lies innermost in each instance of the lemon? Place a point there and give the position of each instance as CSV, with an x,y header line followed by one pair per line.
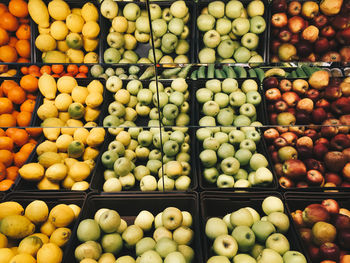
x,y
63,101
90,153
43,30
81,134
49,158
91,29
69,162
68,182
60,236
95,86
63,116
91,57
66,84
37,211
6,254
63,155
47,110
52,122
10,208
23,258
94,99
45,42
30,245
50,252
61,215
75,23
3,241
52,133
75,56
96,137
59,30
62,46
91,114
79,94
89,12
32,171
44,238
90,124
46,184
90,44
79,171
63,142
47,228
58,9
76,210
76,11
80,186
46,146
56,172
74,123
54,56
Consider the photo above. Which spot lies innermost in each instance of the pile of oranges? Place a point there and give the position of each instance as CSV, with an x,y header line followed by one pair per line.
x,y
14,32
17,101
16,144
57,71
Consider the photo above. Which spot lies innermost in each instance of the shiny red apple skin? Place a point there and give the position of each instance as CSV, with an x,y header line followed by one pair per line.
x,y
279,20
315,213
340,221
294,169
330,251
315,178
294,8
331,205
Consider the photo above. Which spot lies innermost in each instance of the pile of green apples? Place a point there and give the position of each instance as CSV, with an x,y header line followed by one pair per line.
x,y
227,103
230,32
167,237
170,33
229,157
135,158
132,72
253,239
132,99
129,26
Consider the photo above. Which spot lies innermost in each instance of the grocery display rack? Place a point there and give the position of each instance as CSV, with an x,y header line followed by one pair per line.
x,y
201,199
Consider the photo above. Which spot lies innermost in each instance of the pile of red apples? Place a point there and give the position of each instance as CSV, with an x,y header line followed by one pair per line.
x,y
325,231
310,31
302,101
311,157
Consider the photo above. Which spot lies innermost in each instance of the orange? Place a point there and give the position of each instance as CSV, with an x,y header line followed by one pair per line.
x,y
33,69
83,69
34,132
12,172
23,32
28,147
6,184
8,22
45,69
6,105
55,75
20,137
23,48
23,60
11,131
17,95
2,171
7,85
29,83
31,96
6,143
73,69
3,8
4,37
23,118
7,120
58,69
28,105
24,70
81,75
15,113
18,8
20,158
2,132
6,157
13,41
8,54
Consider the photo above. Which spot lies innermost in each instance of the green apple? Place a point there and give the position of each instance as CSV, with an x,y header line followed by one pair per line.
x,y
225,245
241,174
132,234
227,150
253,97
236,136
248,144
187,252
242,120
172,218
258,160
216,9
225,181
211,39
207,55
205,22
164,246
183,235
155,11
176,26
150,256
255,8
250,41
208,158
243,156
211,174
225,117
218,259
179,9
294,257
230,165
245,238
223,26
211,108
234,9
263,176
262,230
92,248
211,143
144,220
242,55
253,135
175,257
229,85
280,221
257,24
243,258
112,243
272,204
242,217
221,99
226,48
237,98
256,250
109,221
203,95
131,11
122,166
278,242
269,256
254,213
145,244
169,41
88,229
109,9
240,26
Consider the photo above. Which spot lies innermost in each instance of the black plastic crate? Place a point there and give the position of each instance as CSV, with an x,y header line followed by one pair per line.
x,y
98,177
262,48
52,199
299,201
128,206
37,54
260,109
206,186
218,204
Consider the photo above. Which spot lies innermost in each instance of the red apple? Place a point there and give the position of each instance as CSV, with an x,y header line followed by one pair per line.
x,y
320,150
315,178
314,253
298,130
320,20
335,161
273,94
274,157
331,205
271,134
278,169
346,152
345,119
281,106
345,54
319,115
344,211
305,105
285,85
340,22
323,141
313,164
280,142
294,39
285,35
270,83
330,251
321,45
346,171
273,118
340,221
331,57
315,213
291,98
324,104
310,33
290,137
313,94
332,93
279,20
306,235
340,142
282,129
279,5
345,88
312,134
302,184
305,141
328,32
298,218
294,8
275,44
344,239
333,178
296,24
309,9
294,169
285,182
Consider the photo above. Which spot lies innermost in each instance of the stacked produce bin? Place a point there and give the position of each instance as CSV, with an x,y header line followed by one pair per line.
x,y
174,131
